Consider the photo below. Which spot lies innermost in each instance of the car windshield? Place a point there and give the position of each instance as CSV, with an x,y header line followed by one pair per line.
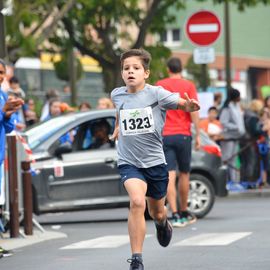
x,y
40,133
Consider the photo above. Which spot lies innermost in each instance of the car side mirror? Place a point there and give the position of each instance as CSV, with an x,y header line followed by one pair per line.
x,y
63,149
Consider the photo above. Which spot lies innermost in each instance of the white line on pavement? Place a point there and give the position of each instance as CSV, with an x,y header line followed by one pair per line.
x,y
213,239
110,241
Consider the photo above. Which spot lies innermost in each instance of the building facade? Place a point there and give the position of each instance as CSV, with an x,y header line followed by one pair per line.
x,y
250,46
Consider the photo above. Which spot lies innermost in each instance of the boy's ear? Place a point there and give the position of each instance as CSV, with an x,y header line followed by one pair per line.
x,y
146,74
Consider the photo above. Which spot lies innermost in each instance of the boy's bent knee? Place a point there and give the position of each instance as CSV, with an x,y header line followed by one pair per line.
x,y
137,203
160,215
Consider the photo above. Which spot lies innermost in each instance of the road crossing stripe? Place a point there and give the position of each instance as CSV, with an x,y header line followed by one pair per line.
x,y
213,239
110,241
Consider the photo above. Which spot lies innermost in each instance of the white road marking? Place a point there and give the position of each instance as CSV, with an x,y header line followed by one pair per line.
x,y
213,239
203,28
110,241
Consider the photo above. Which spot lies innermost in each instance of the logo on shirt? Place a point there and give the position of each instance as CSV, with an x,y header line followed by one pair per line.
x,y
135,114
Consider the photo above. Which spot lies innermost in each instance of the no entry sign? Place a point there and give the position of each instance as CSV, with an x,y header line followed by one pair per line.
x,y
203,28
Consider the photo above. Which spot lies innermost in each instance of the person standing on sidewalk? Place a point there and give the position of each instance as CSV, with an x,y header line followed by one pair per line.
x,y
8,106
177,141
141,162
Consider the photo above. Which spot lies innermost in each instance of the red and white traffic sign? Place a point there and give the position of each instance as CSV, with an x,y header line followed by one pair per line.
x,y
203,28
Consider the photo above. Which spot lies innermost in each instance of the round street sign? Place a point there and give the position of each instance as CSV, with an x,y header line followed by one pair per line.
x,y
203,28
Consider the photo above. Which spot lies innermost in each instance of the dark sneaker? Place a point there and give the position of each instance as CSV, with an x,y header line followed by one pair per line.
x,y
135,264
5,253
164,234
191,218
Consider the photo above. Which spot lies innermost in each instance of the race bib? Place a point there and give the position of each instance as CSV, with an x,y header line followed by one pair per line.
x,y
137,121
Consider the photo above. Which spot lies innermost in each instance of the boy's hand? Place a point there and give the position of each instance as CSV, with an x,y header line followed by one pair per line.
x,y
114,136
191,105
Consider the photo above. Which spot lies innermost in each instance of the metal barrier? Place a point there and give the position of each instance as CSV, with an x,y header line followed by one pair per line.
x,y
19,201
13,186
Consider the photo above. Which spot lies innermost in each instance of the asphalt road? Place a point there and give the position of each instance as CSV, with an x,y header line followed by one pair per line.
x,y
235,235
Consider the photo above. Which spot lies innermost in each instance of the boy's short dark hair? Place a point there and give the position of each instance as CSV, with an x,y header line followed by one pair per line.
x,y
174,65
144,56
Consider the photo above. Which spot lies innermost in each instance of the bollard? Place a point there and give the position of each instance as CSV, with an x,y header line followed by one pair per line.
x,y
13,187
27,198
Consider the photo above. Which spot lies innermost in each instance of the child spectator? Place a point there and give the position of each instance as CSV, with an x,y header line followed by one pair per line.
x,y
211,125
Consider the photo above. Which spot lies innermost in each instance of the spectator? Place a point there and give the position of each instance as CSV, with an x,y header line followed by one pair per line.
x,y
217,100
177,143
250,163
51,94
267,102
100,131
15,88
232,120
30,113
211,125
16,92
85,106
66,89
54,111
105,103
8,106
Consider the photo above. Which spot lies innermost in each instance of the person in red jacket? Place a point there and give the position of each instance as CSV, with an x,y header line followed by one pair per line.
x,y
177,141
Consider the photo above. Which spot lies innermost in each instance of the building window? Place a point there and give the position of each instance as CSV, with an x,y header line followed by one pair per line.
x,y
171,37
163,37
176,34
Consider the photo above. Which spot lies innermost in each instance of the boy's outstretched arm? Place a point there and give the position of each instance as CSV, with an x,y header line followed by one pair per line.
x,y
187,104
114,136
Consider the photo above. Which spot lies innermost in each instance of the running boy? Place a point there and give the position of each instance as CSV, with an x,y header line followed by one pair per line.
x,y
140,112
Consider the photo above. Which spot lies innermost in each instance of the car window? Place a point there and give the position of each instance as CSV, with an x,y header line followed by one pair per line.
x,y
37,135
90,135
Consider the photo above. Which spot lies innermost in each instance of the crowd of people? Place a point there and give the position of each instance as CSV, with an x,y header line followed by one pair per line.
x,y
241,131
54,105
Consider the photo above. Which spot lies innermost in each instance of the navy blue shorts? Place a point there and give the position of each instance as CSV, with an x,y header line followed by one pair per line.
x,y
177,150
156,178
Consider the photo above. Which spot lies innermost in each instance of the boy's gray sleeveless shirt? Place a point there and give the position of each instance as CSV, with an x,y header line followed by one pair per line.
x,y
142,150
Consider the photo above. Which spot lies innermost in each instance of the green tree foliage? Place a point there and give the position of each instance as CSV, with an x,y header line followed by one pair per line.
x,y
62,68
158,67
102,29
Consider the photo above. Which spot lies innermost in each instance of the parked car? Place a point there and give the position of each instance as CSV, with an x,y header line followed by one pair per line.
x,y
79,176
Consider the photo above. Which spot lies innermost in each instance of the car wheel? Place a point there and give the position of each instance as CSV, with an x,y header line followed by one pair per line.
x,y
201,195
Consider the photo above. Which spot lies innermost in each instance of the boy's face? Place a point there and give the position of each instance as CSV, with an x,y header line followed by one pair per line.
x,y
134,74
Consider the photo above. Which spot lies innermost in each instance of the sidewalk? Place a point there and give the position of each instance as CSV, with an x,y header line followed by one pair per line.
x,y
247,193
37,237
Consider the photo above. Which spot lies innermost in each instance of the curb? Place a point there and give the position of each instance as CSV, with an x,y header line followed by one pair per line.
x,y
252,193
37,237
